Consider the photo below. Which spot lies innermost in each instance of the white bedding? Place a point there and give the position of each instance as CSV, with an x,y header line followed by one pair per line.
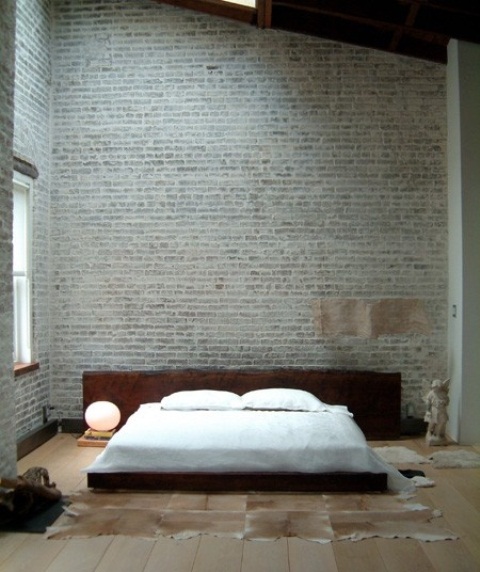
x,y
242,441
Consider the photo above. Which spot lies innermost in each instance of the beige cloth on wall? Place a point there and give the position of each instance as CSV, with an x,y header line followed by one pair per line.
x,y
370,319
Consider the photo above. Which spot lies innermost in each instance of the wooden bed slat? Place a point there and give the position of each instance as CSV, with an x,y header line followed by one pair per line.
x,y
228,482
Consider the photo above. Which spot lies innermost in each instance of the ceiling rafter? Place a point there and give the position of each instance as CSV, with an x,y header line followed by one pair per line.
x,y
416,28
391,26
409,22
217,8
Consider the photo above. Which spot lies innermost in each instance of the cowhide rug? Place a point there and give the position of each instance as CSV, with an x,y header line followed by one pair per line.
x,y
398,455
455,459
445,458
316,517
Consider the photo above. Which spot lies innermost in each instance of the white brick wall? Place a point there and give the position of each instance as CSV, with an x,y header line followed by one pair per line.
x,y
32,142
209,180
8,452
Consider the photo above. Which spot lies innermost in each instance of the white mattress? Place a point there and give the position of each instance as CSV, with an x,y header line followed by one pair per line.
x,y
155,440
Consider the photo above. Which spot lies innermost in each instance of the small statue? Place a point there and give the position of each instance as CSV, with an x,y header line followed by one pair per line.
x,y
436,416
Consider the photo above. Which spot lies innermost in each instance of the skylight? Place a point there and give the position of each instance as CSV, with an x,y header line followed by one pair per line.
x,y
249,3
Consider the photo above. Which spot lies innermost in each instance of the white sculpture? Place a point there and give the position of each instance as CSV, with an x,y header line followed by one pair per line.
x,y
436,416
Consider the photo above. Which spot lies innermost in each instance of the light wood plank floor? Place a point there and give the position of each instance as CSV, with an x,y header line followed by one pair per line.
x,y
457,494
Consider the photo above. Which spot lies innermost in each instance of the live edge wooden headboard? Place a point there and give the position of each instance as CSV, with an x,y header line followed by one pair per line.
x,y
373,397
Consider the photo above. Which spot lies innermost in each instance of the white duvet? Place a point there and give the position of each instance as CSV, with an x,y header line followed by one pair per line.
x,y
155,440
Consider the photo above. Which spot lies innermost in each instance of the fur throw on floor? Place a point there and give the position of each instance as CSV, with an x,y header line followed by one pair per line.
x,y
459,458
446,458
399,455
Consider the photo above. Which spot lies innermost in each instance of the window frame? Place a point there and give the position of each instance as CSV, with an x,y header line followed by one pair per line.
x,y
22,277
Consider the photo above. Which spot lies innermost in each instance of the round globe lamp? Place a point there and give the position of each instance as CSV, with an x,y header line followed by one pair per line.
x,y
102,416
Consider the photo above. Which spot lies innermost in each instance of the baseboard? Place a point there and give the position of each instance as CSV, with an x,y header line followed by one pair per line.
x,y
36,437
73,425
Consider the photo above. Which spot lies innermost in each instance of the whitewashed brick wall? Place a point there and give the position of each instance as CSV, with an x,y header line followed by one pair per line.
x,y
209,180
8,451
32,143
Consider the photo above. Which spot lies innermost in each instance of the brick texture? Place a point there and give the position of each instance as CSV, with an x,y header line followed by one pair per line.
x,y
210,180
32,143
8,451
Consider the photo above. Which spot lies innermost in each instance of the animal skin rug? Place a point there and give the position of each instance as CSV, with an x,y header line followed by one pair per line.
x,y
399,455
457,459
316,517
453,458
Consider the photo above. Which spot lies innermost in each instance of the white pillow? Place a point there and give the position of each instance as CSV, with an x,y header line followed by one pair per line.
x,y
281,399
150,406
210,399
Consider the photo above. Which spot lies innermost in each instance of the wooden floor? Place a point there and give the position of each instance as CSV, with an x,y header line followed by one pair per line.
x,y
457,494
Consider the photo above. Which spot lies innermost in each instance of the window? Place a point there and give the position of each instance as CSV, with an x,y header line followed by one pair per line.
x,y
249,3
22,318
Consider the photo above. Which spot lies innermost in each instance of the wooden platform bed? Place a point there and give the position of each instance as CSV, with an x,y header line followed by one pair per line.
x,y
373,398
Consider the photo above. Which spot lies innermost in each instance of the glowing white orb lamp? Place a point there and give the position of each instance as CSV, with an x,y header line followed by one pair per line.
x,y
102,416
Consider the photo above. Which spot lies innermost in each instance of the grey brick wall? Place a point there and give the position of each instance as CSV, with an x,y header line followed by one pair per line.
x,y
209,180
8,453
32,142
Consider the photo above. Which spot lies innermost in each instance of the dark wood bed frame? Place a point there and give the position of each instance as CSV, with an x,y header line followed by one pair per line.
x,y
373,397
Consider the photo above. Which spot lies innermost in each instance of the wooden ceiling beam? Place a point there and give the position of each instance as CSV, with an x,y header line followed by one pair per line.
x,y
464,7
431,16
264,13
217,8
380,24
418,28
410,21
